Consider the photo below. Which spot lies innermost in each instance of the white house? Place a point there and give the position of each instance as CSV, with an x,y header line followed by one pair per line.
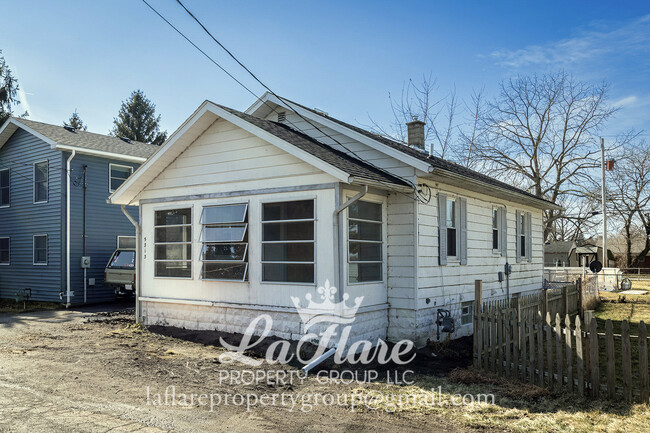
x,y
240,212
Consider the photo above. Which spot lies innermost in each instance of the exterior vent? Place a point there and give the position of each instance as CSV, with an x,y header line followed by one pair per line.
x,y
69,128
126,140
282,116
321,112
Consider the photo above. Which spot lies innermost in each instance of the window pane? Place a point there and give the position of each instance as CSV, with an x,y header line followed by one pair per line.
x,y
4,244
224,233
40,172
522,223
123,260
522,244
288,210
451,242
41,191
4,179
365,272
4,256
4,196
365,231
290,273
365,252
173,234
495,219
173,252
451,213
224,214
40,242
303,252
120,172
365,210
115,183
126,242
288,231
224,271
173,216
231,252
495,239
173,269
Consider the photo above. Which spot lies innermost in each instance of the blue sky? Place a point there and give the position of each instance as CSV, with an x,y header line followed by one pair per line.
x,y
339,56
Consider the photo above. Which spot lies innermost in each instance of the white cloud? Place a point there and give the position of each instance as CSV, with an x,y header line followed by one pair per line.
x,y
630,38
24,104
627,101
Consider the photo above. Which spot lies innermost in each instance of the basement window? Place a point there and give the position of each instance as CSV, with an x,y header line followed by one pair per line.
x,y
365,242
118,174
224,252
173,243
288,242
467,313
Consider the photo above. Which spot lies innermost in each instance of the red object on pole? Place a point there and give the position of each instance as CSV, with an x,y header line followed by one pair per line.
x,y
609,165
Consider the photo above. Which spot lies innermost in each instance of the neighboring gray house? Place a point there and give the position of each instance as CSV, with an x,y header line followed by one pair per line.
x,y
39,163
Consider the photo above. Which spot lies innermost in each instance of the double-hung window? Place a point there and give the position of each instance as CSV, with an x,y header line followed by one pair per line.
x,y
496,223
288,230
40,249
5,179
451,229
41,179
173,243
117,174
522,234
224,252
365,242
5,254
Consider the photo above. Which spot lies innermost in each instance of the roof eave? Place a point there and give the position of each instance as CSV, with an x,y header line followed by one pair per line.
x,y
379,184
99,153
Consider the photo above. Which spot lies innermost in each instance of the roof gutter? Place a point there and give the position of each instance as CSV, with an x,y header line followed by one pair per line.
x,y
537,202
101,153
379,184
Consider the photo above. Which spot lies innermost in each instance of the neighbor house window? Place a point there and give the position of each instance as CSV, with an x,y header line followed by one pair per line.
x,y
5,247
41,182
126,242
495,228
467,313
288,242
365,242
522,234
40,249
4,187
451,228
224,252
117,175
173,243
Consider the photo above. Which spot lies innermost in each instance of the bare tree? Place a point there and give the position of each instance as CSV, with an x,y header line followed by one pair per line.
x,y
577,222
541,134
419,100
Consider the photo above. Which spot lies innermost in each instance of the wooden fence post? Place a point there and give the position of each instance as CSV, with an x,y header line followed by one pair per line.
x,y
581,309
611,360
558,351
508,325
500,341
540,348
579,358
515,344
544,306
549,349
626,355
643,362
493,339
531,348
569,352
522,347
593,359
565,300
478,298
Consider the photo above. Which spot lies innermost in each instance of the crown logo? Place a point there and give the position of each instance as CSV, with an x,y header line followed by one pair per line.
x,y
327,310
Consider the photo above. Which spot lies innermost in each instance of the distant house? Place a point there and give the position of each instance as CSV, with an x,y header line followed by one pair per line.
x,y
572,253
245,213
39,163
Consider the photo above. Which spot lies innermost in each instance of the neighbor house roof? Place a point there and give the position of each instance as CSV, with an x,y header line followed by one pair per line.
x,y
82,141
558,247
433,162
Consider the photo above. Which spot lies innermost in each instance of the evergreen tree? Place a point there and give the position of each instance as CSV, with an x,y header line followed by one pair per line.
x,y
137,120
76,122
8,91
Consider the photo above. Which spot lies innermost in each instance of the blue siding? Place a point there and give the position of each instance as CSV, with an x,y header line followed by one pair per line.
x,y
23,219
104,222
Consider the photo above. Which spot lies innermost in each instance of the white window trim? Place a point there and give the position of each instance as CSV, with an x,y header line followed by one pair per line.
x,y
384,243
9,262
9,204
47,181
110,168
470,305
496,251
262,242
47,249
191,242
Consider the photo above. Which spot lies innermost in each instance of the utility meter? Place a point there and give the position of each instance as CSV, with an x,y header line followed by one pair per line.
x,y
85,262
507,269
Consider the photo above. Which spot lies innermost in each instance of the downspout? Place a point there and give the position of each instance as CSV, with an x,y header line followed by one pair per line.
x,y
67,225
138,269
338,225
85,187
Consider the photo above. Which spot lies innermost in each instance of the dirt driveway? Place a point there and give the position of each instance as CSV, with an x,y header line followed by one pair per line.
x,y
81,371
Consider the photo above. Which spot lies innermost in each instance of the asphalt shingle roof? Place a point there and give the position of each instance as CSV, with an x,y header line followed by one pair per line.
x,y
341,160
436,162
90,140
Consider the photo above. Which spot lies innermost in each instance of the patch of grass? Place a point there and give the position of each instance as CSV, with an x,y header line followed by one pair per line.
x,y
11,306
516,407
617,297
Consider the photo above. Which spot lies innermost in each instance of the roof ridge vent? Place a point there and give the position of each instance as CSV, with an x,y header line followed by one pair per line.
x,y
282,116
69,128
125,139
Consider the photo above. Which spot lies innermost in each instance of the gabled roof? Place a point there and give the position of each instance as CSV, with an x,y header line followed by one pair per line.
x,y
82,141
331,161
433,163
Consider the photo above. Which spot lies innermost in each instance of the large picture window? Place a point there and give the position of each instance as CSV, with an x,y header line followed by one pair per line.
x,y
173,243
288,242
41,179
224,252
5,254
365,242
117,175
40,249
5,178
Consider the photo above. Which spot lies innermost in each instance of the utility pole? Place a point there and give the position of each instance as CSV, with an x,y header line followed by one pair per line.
x,y
602,163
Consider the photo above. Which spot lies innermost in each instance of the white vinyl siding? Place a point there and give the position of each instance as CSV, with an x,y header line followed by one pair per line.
x,y
5,187
117,174
173,243
39,249
41,182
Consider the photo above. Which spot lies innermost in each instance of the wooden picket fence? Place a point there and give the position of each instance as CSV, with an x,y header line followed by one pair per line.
x,y
560,353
